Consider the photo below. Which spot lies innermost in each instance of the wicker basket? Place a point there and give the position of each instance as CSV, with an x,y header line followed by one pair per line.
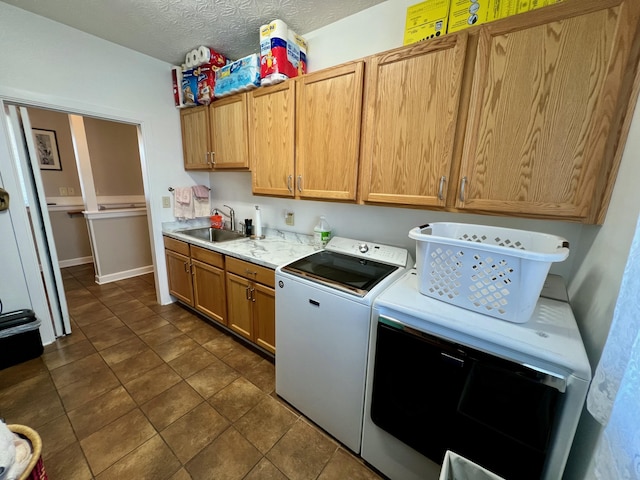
x,y
35,469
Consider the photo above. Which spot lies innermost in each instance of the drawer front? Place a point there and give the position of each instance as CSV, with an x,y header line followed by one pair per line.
x,y
176,246
207,256
249,270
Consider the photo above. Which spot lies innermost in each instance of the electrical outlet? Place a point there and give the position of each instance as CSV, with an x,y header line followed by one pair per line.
x,y
71,190
63,191
166,202
288,218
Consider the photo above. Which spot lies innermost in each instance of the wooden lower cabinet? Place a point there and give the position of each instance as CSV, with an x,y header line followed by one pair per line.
x,y
240,305
209,292
264,312
251,302
196,278
179,270
243,299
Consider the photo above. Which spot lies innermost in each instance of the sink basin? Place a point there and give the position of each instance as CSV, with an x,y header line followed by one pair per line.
x,y
213,234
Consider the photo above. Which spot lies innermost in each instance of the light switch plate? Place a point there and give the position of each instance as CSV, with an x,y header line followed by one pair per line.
x,y
63,191
166,202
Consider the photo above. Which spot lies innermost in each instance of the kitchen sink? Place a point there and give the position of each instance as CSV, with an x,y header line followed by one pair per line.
x,y
213,234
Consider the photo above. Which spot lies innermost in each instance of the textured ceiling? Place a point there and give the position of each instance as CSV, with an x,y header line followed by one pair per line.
x,y
168,29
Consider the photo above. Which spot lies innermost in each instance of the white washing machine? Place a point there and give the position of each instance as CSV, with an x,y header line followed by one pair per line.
x,y
323,311
506,396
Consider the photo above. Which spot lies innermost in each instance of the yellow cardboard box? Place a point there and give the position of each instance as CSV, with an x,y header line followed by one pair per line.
x,y
466,13
426,20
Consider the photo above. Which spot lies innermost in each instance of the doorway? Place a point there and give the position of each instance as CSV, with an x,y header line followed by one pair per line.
x,y
91,196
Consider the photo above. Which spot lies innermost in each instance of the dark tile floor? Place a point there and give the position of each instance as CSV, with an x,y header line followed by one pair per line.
x,y
143,391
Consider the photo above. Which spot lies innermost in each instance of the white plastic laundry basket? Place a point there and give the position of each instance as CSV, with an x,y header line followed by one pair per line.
x,y
494,271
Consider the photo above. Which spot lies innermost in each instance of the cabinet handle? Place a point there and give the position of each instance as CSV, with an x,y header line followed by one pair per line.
x,y
253,296
441,188
300,183
249,272
247,293
463,183
206,158
213,160
289,179
185,267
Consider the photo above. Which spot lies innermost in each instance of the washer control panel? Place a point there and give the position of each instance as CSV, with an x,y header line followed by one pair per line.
x,y
370,251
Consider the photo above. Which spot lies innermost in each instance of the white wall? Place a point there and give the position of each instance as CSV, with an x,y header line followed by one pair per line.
x,y
596,282
48,64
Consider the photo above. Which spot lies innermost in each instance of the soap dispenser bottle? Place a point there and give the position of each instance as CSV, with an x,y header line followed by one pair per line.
x,y
322,232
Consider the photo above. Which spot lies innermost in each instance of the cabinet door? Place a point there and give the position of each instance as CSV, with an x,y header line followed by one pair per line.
x,y
179,272
209,292
239,305
229,132
195,138
264,315
271,120
328,118
411,109
540,112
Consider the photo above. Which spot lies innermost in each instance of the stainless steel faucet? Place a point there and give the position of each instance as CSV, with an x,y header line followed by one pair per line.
x,y
231,216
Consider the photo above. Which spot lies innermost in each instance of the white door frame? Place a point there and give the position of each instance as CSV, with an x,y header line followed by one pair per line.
x,y
72,107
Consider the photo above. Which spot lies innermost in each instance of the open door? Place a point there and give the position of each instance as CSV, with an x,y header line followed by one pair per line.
x,y
42,230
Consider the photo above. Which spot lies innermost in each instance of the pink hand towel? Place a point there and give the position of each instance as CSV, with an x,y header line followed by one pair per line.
x,y
183,203
200,191
183,195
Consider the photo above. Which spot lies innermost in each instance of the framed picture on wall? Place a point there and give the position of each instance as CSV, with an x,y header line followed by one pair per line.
x,y
47,149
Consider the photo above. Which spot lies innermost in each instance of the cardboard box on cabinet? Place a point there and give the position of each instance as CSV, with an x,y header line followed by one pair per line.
x,y
467,13
426,20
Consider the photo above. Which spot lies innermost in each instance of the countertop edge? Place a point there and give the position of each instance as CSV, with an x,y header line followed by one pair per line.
x,y
271,252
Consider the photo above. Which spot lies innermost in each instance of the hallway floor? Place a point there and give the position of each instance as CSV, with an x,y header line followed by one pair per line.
x,y
143,391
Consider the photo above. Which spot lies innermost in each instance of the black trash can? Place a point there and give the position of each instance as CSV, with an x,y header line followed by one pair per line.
x,y
19,337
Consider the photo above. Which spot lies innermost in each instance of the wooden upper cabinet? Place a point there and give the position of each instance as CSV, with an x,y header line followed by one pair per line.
x,y
229,132
194,124
411,110
543,100
271,145
328,119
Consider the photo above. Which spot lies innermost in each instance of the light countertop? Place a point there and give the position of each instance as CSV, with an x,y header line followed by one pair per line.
x,y
279,247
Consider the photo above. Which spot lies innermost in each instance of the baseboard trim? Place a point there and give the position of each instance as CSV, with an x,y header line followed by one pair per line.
x,y
114,277
72,262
